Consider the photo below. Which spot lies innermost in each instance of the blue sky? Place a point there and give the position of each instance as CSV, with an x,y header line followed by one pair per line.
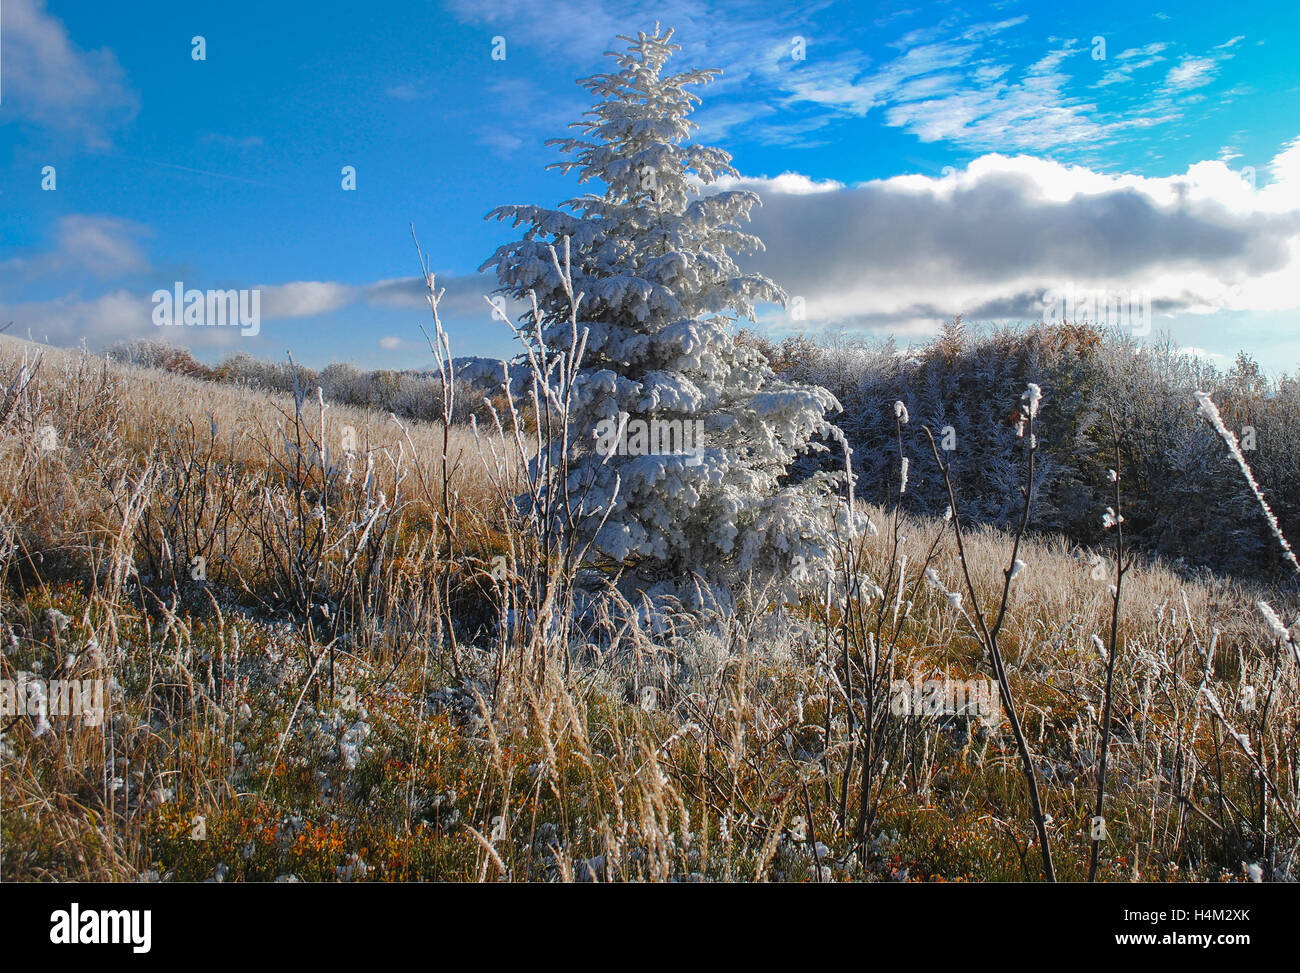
x,y
919,160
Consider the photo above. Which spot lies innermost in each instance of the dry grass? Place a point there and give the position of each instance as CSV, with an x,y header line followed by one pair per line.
x,y
337,701
153,400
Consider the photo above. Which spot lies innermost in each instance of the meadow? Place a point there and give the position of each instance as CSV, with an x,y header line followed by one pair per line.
x,y
333,649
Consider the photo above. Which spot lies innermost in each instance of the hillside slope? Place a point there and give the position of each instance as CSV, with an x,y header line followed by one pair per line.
x,y
352,687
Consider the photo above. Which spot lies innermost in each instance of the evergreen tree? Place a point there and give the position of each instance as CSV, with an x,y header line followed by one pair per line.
x,y
653,260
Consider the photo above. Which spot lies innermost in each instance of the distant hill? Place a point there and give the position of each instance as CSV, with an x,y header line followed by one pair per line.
x,y
410,393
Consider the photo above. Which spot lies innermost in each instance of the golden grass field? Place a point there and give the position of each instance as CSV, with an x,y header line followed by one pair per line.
x,y
348,691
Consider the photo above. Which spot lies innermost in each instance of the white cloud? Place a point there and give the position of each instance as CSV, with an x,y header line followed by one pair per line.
x,y
100,321
1146,51
964,91
126,313
505,143
304,298
788,183
48,80
990,240
102,246
1130,61
463,295
1191,72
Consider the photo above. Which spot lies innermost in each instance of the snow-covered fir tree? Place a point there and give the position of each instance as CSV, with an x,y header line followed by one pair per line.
x,y
680,438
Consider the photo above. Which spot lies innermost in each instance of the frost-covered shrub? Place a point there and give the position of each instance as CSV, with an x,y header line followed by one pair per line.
x,y
271,376
1183,495
159,354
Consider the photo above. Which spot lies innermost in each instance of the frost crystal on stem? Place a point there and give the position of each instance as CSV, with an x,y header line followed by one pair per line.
x,y
1100,646
1210,411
